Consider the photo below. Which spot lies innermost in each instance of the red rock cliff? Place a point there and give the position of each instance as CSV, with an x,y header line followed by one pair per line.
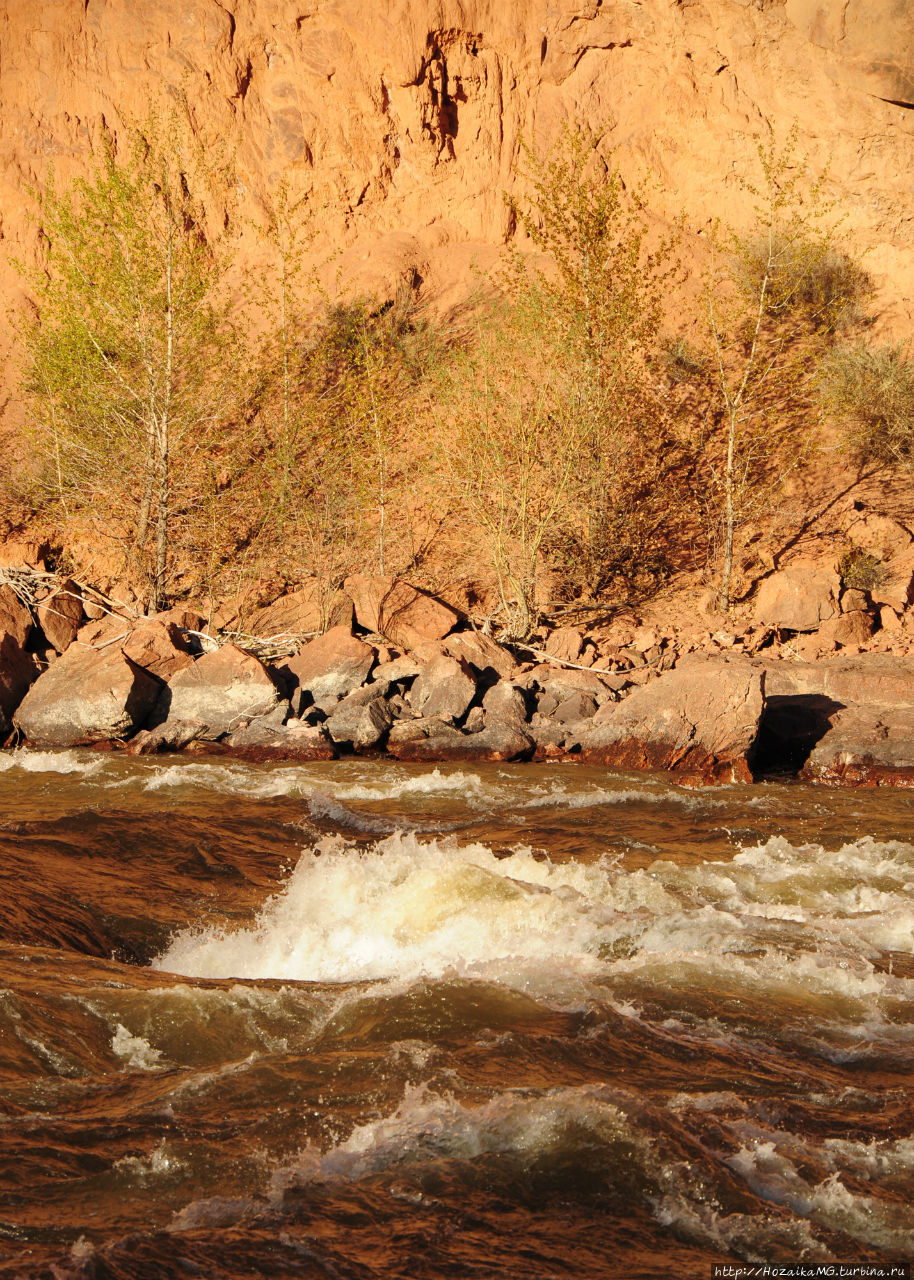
x,y
403,116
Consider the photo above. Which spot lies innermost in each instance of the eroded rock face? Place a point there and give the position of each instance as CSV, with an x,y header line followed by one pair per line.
x,y
699,720
404,118
87,696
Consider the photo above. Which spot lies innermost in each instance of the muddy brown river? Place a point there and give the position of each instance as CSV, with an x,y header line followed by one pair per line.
x,y
360,1020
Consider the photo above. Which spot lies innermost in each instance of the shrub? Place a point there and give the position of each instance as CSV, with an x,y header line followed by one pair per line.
x,y
803,276
860,570
872,390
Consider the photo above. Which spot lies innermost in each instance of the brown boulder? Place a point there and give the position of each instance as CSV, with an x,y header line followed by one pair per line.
x,y
404,614
699,720
86,696
158,647
565,643
15,617
60,615
223,689
896,588
361,718
798,599
434,740
849,628
329,667
504,704
18,671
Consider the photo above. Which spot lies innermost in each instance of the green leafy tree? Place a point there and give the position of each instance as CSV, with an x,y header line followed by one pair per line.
x,y
774,297
562,452
129,360
595,291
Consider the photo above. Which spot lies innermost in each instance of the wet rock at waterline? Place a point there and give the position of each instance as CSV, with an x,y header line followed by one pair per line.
x,y
869,746
87,696
699,720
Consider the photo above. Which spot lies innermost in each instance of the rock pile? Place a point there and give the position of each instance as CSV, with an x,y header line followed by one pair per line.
x,y
158,684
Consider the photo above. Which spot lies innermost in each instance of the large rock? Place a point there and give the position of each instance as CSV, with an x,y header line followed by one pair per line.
x,y
15,617
868,746
871,679
445,687
60,615
827,718
407,615
484,654
18,671
505,704
798,599
223,689
329,667
699,720
159,647
361,718
86,696
895,587
302,612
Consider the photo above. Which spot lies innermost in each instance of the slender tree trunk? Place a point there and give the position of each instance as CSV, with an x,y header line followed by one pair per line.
x,y
163,430
726,577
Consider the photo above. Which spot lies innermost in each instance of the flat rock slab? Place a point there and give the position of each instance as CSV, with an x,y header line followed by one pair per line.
x,y
699,721
872,679
499,743
224,690
87,696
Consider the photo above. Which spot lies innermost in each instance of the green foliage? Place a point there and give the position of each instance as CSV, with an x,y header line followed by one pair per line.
x,y
774,295
128,361
871,389
803,276
593,297
860,570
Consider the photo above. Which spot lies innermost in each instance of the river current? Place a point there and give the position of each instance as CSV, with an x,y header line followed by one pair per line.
x,y
365,1020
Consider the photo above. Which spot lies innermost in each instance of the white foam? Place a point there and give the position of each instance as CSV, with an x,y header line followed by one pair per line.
x,y
135,1051
406,910
30,761
779,928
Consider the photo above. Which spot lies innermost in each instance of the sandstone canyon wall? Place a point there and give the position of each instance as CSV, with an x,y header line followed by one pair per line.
x,y
403,116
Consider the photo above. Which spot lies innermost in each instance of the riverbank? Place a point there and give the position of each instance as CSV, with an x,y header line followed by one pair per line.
x,y
405,676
